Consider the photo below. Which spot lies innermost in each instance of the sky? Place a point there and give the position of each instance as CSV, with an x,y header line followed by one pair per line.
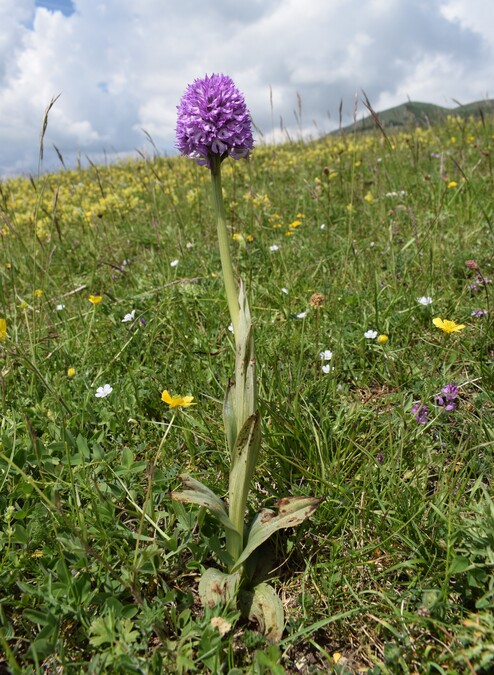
x,y
120,67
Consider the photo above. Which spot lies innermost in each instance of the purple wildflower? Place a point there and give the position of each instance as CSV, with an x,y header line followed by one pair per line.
x,y
479,282
213,120
479,313
420,411
447,397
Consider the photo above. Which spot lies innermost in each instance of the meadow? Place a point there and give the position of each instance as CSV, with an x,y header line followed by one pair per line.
x,y
111,292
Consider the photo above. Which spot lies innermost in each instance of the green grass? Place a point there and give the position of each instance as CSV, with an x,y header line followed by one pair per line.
x,y
393,573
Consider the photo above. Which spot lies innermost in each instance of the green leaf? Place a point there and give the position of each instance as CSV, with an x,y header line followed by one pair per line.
x,y
229,417
264,606
459,564
201,495
127,458
41,618
244,459
102,631
218,588
245,364
292,512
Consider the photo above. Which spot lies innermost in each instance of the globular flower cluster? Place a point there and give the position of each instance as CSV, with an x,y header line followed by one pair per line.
x,y
213,120
447,397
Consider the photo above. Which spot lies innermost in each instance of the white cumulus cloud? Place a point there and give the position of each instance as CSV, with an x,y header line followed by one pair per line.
x,y
120,66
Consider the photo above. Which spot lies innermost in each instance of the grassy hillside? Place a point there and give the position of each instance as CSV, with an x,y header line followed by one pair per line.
x,y
414,114
369,271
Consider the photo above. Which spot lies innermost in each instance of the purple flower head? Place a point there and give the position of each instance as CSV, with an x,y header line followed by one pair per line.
x,y
450,390
479,313
213,120
421,413
447,397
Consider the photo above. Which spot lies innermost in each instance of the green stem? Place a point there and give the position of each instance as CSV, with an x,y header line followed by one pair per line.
x,y
234,540
224,244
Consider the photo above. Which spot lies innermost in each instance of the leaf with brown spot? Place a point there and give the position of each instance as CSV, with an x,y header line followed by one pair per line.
x,y
218,588
293,512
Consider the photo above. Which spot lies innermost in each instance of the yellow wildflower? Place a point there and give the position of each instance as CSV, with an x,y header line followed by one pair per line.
x,y
177,400
448,326
452,184
38,293
369,198
382,339
71,372
3,330
95,299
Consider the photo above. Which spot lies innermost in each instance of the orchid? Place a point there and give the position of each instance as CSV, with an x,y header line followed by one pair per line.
x,y
213,124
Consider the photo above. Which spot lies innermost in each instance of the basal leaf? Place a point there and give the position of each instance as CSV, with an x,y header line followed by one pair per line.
x,y
293,512
218,588
201,495
264,606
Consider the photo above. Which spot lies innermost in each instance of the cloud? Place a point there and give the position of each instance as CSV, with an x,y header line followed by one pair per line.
x,y
121,66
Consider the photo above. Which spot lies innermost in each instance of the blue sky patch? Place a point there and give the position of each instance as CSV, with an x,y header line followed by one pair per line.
x,y
65,6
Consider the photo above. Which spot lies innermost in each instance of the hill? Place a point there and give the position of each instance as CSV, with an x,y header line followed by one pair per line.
x,y
417,114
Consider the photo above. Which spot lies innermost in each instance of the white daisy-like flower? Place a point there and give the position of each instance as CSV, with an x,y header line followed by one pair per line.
x,y
274,247
424,300
60,308
326,368
129,317
174,263
370,334
105,390
326,355
323,226
284,290
302,315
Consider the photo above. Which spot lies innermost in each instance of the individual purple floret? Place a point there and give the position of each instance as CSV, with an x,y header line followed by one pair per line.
x,y
213,120
447,397
421,413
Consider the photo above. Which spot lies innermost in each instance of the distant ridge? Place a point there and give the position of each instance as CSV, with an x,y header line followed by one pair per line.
x,y
416,114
